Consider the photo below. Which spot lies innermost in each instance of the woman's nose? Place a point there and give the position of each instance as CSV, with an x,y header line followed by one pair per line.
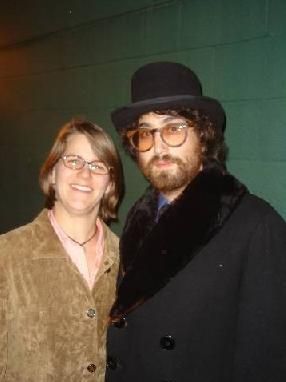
x,y
85,171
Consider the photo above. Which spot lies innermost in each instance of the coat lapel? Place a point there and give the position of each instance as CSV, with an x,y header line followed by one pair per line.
x,y
110,254
152,254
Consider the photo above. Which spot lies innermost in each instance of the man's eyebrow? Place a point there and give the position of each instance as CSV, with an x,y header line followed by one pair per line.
x,y
144,124
168,118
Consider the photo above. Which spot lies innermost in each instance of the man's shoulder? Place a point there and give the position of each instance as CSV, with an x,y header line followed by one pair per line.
x,y
257,204
255,209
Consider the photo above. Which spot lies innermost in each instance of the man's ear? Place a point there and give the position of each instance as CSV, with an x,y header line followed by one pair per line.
x,y
204,149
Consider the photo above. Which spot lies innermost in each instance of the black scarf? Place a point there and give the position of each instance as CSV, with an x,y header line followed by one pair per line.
x,y
153,253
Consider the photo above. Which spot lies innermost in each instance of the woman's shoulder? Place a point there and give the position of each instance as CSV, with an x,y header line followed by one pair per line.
x,y
15,235
21,237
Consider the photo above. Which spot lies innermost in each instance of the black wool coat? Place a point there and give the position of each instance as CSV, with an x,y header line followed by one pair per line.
x,y
203,293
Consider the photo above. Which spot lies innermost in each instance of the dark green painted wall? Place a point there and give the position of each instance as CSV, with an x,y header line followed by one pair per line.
x,y
64,58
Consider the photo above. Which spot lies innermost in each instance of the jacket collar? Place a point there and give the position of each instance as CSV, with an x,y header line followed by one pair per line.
x,y
48,246
152,253
46,243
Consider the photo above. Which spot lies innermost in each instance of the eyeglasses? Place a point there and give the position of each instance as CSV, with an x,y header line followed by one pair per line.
x,y
76,162
173,134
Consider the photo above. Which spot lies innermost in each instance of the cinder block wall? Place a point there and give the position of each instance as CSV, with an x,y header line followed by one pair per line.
x,y
64,58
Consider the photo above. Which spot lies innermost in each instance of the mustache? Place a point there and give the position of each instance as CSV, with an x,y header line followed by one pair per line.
x,y
166,157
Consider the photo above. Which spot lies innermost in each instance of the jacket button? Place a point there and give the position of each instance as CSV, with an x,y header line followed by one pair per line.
x,y
167,343
91,368
122,323
112,363
91,313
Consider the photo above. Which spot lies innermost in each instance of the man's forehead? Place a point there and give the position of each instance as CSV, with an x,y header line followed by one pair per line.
x,y
151,118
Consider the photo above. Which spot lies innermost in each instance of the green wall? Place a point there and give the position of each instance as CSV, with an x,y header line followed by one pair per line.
x,y
64,58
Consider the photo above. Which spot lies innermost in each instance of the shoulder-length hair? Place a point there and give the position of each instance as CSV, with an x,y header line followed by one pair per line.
x,y
106,152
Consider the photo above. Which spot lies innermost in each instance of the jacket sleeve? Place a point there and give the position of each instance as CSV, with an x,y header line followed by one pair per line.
x,y
3,325
261,328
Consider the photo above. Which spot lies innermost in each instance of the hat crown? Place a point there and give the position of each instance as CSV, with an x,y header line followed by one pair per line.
x,y
165,85
164,79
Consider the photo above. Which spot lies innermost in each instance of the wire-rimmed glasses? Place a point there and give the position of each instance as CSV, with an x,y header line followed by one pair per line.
x,y
76,162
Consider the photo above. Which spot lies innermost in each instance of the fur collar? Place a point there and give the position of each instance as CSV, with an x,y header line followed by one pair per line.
x,y
152,254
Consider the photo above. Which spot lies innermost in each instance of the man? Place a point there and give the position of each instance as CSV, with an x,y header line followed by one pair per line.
x,y
202,296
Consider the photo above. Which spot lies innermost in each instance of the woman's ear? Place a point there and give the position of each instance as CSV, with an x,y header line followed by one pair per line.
x,y
53,176
108,188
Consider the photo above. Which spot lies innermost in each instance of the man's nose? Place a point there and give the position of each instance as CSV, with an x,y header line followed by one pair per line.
x,y
159,145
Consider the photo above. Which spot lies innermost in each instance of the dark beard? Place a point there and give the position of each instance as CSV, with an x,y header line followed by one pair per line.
x,y
164,181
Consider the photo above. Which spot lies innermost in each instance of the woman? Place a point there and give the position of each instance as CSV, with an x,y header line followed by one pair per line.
x,y
58,273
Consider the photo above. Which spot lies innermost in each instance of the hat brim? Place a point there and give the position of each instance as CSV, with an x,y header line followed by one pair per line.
x,y
123,117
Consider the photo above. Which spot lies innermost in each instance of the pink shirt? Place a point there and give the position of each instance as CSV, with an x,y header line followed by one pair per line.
x,y
77,253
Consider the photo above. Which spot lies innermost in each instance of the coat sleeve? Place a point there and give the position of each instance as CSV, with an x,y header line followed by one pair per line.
x,y
3,325
261,328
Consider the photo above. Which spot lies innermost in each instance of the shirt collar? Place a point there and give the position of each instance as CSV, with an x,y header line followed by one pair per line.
x,y
162,201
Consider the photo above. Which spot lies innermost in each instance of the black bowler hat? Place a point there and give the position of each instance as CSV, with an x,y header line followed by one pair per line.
x,y
166,85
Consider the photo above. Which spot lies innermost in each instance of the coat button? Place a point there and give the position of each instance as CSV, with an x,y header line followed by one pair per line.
x,y
122,323
167,343
91,313
112,363
91,368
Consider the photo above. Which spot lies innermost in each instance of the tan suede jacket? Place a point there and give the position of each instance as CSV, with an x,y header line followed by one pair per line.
x,y
52,327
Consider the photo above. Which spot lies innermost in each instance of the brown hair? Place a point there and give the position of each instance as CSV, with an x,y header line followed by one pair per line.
x,y
106,152
211,137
